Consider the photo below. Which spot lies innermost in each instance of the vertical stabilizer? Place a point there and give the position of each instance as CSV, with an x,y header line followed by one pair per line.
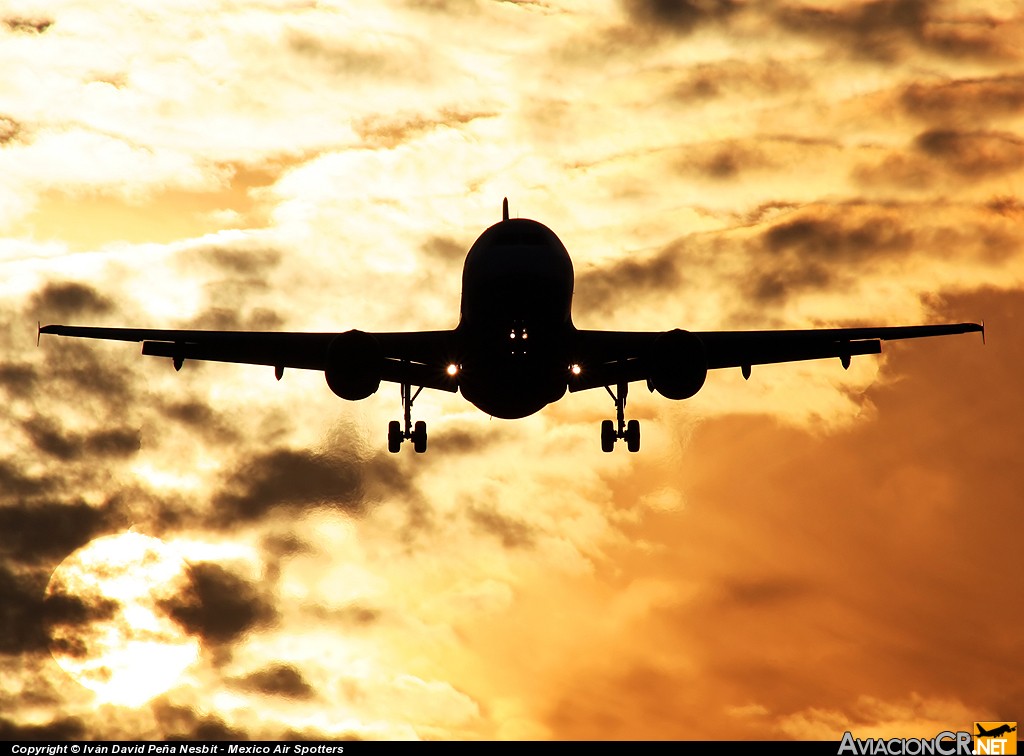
x,y
504,209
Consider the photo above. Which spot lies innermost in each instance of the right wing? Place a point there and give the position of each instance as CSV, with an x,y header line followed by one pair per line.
x,y
416,358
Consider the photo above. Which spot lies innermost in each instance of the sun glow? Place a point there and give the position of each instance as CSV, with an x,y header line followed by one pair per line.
x,y
116,640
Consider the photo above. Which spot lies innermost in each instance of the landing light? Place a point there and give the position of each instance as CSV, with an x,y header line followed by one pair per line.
x,y
452,369
575,369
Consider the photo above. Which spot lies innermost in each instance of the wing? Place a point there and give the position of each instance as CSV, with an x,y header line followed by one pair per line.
x,y
417,358
611,357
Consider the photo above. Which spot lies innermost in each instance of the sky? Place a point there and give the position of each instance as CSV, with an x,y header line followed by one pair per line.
x,y
213,553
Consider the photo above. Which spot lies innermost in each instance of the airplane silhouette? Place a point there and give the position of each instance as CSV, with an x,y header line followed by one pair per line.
x,y
515,349
995,733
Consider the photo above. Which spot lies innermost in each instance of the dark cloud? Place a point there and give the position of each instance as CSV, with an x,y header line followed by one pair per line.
x,y
513,534
681,16
444,248
201,418
389,130
840,237
288,477
16,485
72,367
973,154
219,606
255,261
10,130
278,680
352,616
182,723
326,52
782,282
822,248
763,591
728,160
62,729
613,286
21,612
28,615
28,25
453,439
738,77
885,29
48,531
62,613
50,438
964,101
234,319
18,379
67,299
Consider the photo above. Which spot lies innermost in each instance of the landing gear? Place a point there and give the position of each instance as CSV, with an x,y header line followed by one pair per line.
x,y
397,433
613,431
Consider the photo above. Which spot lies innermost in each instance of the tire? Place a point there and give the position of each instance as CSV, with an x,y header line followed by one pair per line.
x,y
394,436
633,435
419,437
607,435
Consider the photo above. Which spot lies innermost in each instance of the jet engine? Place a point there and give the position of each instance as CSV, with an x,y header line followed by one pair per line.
x,y
678,365
354,365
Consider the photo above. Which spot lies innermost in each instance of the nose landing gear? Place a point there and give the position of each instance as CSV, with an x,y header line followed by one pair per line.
x,y
613,431
397,433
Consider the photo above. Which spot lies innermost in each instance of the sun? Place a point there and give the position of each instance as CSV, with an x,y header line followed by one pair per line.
x,y
115,639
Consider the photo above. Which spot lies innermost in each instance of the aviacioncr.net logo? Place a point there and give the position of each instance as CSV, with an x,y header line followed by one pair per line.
x,y
944,744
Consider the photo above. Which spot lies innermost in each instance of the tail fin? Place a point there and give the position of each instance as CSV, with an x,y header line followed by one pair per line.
x,y
504,209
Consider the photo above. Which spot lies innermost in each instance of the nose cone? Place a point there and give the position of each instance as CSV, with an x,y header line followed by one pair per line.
x,y
517,258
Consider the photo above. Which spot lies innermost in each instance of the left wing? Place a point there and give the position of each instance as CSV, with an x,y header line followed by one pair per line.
x,y
417,358
611,357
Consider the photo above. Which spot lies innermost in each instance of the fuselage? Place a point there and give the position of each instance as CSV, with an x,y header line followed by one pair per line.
x,y
516,325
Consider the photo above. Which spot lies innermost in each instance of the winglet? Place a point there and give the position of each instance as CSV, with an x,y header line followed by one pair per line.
x,y
983,331
39,331
504,209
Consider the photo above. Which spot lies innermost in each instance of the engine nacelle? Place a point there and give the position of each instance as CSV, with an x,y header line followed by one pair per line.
x,y
678,364
354,365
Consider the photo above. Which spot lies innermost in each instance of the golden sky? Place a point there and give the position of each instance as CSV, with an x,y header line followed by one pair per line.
x,y
809,551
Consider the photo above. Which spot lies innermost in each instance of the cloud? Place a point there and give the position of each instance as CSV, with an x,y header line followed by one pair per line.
x,y
512,533
183,723
738,77
50,438
607,288
392,129
965,101
41,532
201,418
26,25
219,606
887,30
278,680
974,154
290,478
68,299
681,16
60,729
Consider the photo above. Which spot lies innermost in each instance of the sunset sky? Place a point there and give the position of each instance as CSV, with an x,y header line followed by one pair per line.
x,y
212,553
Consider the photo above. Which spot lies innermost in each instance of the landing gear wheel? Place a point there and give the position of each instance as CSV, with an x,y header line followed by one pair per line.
x,y
632,435
607,435
419,437
395,436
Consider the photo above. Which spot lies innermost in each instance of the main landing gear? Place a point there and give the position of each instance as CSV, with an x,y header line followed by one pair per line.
x,y
613,431
416,433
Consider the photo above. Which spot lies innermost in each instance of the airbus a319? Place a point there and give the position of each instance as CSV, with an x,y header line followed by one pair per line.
x,y
515,349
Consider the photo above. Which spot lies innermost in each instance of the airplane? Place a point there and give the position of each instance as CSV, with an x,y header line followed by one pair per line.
x,y
1002,729
515,349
